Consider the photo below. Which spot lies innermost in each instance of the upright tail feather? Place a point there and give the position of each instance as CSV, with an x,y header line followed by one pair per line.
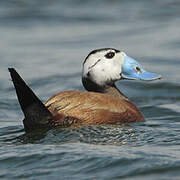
x,y
35,112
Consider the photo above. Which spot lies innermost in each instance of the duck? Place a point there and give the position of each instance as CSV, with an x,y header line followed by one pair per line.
x,y
101,103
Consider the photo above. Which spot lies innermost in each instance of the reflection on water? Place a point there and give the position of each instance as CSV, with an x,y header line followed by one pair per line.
x,y
47,41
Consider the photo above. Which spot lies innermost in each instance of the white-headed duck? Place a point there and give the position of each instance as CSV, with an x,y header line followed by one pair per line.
x,y
102,103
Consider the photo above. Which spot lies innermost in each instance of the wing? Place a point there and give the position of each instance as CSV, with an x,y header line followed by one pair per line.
x,y
90,108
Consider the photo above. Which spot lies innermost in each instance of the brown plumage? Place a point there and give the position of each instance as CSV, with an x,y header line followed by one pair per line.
x,y
91,108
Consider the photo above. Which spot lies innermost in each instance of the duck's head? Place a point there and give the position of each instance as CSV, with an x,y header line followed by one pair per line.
x,y
102,67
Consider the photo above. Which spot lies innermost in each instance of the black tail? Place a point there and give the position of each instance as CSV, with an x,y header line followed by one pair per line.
x,y
35,112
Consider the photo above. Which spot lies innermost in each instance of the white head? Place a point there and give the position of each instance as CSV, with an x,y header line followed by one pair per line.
x,y
105,66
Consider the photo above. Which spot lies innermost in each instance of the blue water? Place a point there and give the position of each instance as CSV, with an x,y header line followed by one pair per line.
x,y
47,41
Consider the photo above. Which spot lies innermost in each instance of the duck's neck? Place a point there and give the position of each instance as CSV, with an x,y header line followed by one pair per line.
x,y
109,89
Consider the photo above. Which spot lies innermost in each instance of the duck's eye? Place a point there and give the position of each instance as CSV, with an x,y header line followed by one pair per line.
x,y
137,69
110,55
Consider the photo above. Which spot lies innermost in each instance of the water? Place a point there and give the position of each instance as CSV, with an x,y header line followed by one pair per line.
x,y
47,41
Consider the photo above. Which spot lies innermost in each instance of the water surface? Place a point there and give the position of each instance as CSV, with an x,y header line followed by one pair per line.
x,y
47,41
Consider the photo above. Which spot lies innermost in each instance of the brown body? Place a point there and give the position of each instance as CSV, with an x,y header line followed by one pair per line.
x,y
92,108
